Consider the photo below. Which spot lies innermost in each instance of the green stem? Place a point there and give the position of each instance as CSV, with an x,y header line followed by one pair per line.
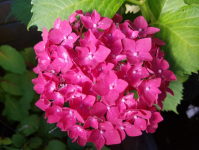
x,y
8,126
145,11
137,2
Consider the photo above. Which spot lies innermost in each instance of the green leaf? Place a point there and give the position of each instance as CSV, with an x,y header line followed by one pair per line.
x,y
73,146
29,125
11,83
45,12
171,102
29,57
11,60
27,85
160,7
182,78
21,9
35,142
191,1
6,141
2,95
12,109
10,148
179,30
45,128
18,140
24,106
55,144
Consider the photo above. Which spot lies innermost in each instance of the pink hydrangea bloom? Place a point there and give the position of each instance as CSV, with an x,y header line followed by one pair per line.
x,y
99,85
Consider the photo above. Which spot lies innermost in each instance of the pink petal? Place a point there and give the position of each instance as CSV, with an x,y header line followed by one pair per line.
x,y
98,109
40,103
151,30
39,88
143,45
57,23
53,119
129,44
101,88
65,28
156,118
88,101
140,123
94,135
104,23
95,16
106,126
100,142
112,137
87,22
117,18
140,23
121,85
45,35
40,46
55,36
132,131
122,134
112,116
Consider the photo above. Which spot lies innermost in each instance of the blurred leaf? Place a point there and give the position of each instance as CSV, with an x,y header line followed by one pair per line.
x,y
13,109
11,83
45,12
29,125
73,146
160,7
29,57
24,106
179,30
33,106
11,59
191,1
18,140
55,145
44,128
171,102
27,85
2,95
21,9
35,142
58,133
27,148
6,141
10,148
105,148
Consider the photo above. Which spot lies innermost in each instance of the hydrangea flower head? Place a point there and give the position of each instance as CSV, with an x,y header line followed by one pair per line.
x,y
99,79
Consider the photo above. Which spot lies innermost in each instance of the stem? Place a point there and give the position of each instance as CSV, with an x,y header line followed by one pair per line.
x,y
137,2
145,11
7,126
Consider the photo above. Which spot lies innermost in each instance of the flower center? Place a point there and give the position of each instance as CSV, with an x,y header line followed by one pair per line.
x,y
94,25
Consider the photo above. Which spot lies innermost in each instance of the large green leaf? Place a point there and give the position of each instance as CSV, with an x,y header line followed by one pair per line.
x,y
11,84
35,142
55,144
18,140
179,30
192,1
171,102
45,128
29,125
159,7
13,109
27,85
29,57
46,11
11,59
21,9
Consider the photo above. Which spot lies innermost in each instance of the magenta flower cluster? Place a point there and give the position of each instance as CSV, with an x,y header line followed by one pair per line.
x,y
99,79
